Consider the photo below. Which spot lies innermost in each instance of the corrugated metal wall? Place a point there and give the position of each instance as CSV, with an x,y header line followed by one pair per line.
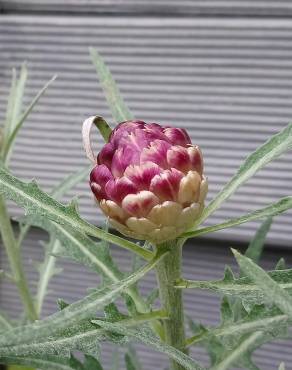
x,y
222,69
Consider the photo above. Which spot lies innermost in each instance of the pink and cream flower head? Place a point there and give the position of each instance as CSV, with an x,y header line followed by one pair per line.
x,y
149,181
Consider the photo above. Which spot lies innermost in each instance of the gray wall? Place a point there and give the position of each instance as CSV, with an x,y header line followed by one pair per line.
x,y
221,69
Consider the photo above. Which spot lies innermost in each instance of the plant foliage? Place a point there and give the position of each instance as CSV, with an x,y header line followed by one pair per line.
x,y
256,306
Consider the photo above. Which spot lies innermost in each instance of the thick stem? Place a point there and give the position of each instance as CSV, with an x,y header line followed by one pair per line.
x,y
169,270
13,254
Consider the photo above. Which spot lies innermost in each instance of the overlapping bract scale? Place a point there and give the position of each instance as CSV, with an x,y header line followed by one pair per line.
x,y
149,181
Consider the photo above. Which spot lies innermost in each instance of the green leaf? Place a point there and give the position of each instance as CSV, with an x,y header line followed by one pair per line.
x,y
70,181
273,148
221,341
81,248
91,363
75,312
20,120
243,288
41,362
52,362
146,337
282,366
96,256
47,270
274,292
4,323
236,353
37,202
120,111
6,275
255,248
115,359
265,321
83,336
65,185
131,359
273,209
281,264
62,304
15,99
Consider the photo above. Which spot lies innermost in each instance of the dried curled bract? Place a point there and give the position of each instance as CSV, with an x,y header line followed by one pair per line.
x,y
149,181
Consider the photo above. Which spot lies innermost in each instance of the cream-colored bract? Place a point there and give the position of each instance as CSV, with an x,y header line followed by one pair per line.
x,y
164,221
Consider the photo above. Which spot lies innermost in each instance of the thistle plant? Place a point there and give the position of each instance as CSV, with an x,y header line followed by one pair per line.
x,y
148,179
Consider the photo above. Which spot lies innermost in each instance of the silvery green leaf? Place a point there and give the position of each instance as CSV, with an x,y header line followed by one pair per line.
x,y
4,323
78,311
120,111
36,202
52,362
145,336
39,362
15,100
273,148
238,352
131,359
9,141
255,248
273,209
115,359
243,288
271,288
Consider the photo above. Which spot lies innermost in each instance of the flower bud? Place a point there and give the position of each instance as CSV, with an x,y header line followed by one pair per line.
x,y
149,181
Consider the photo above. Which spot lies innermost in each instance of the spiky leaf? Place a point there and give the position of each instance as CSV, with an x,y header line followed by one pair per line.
x,y
273,148
36,202
120,111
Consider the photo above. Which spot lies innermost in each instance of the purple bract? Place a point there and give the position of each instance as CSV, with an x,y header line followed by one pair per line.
x,y
149,181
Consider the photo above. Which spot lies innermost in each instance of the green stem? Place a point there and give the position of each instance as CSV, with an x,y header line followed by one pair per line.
x,y
168,271
13,254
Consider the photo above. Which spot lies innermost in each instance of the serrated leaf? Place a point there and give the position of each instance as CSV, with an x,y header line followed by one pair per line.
x,y
226,311
273,209
54,362
281,264
20,120
272,290
43,362
115,359
96,256
255,248
129,363
131,359
273,148
120,111
145,336
112,313
62,304
91,363
4,323
6,275
153,295
36,202
80,248
82,336
268,322
236,353
47,270
243,288
15,100
77,311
